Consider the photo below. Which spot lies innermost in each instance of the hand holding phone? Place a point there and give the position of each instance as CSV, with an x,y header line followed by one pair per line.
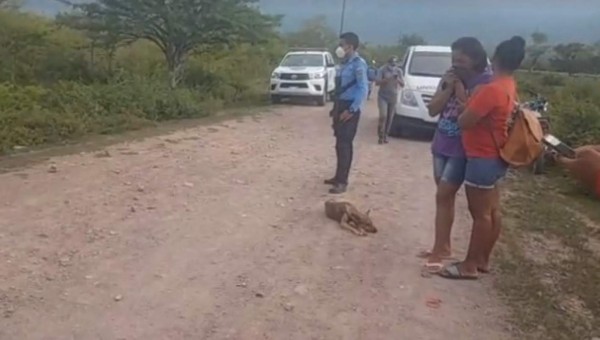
x,y
561,148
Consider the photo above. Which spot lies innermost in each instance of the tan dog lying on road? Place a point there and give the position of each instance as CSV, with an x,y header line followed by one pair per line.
x,y
349,217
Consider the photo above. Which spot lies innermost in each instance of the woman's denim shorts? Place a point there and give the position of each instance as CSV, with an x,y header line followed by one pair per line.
x,y
484,173
449,169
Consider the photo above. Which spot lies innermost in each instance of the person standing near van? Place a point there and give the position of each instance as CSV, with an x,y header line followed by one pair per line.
x,y
372,76
389,80
350,97
469,70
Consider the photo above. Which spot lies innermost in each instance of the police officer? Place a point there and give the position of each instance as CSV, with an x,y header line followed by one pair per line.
x,y
350,95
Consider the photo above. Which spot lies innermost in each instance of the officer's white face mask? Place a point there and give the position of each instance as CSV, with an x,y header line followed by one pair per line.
x,y
339,52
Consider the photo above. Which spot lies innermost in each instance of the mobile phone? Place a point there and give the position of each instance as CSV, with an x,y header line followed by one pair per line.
x,y
560,147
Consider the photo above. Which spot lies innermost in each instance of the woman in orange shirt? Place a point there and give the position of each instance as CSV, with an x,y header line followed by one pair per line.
x,y
484,126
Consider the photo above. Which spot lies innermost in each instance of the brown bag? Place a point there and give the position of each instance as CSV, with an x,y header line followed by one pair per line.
x,y
524,143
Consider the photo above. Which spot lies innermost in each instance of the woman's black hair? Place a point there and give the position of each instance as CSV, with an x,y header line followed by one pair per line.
x,y
510,54
473,49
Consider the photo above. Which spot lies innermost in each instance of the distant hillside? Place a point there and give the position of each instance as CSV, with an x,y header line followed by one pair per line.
x,y
383,21
46,7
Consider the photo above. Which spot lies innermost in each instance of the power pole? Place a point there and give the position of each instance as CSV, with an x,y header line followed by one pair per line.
x,y
343,17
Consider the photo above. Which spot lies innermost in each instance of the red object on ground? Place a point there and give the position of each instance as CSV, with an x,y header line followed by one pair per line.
x,y
434,303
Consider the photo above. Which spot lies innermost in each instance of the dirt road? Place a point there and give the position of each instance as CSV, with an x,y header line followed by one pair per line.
x,y
218,232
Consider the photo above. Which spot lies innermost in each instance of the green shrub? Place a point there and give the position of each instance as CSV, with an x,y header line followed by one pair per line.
x,y
55,84
574,105
36,115
552,80
575,113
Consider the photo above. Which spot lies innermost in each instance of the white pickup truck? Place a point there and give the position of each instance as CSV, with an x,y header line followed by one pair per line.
x,y
307,73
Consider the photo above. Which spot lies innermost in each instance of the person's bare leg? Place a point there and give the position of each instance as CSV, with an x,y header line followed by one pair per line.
x,y
426,253
480,207
496,229
444,219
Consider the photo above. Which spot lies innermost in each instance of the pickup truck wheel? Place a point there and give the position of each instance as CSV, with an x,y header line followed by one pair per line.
x,y
321,101
275,99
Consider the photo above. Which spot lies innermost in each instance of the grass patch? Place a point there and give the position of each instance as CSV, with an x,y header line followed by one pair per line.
x,y
549,260
22,159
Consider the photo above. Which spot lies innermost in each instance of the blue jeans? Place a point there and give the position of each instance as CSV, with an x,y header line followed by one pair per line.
x,y
449,169
484,173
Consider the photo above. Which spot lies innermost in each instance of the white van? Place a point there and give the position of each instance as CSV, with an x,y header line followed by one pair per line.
x,y
423,68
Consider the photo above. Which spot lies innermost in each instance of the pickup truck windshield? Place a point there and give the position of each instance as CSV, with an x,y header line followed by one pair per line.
x,y
303,60
430,64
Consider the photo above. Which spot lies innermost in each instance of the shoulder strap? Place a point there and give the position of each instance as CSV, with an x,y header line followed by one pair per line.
x,y
488,122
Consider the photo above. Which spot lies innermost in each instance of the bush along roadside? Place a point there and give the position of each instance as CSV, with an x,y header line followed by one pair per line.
x,y
66,77
34,115
574,105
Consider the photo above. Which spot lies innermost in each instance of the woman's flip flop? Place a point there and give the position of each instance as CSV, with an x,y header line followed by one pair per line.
x,y
426,253
479,269
452,272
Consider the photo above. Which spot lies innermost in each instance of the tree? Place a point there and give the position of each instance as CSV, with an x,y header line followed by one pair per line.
x,y
538,49
10,4
572,58
96,32
22,40
539,38
178,27
314,33
408,40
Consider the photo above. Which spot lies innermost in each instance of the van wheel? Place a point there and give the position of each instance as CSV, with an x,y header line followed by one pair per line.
x,y
397,130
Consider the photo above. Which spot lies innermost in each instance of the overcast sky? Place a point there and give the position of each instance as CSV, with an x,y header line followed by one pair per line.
x,y
443,20
440,21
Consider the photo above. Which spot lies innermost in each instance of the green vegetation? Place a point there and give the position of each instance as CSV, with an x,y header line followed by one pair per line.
x,y
549,260
574,105
63,78
104,68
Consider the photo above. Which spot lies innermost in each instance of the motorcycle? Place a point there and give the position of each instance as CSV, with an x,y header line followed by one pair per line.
x,y
540,105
